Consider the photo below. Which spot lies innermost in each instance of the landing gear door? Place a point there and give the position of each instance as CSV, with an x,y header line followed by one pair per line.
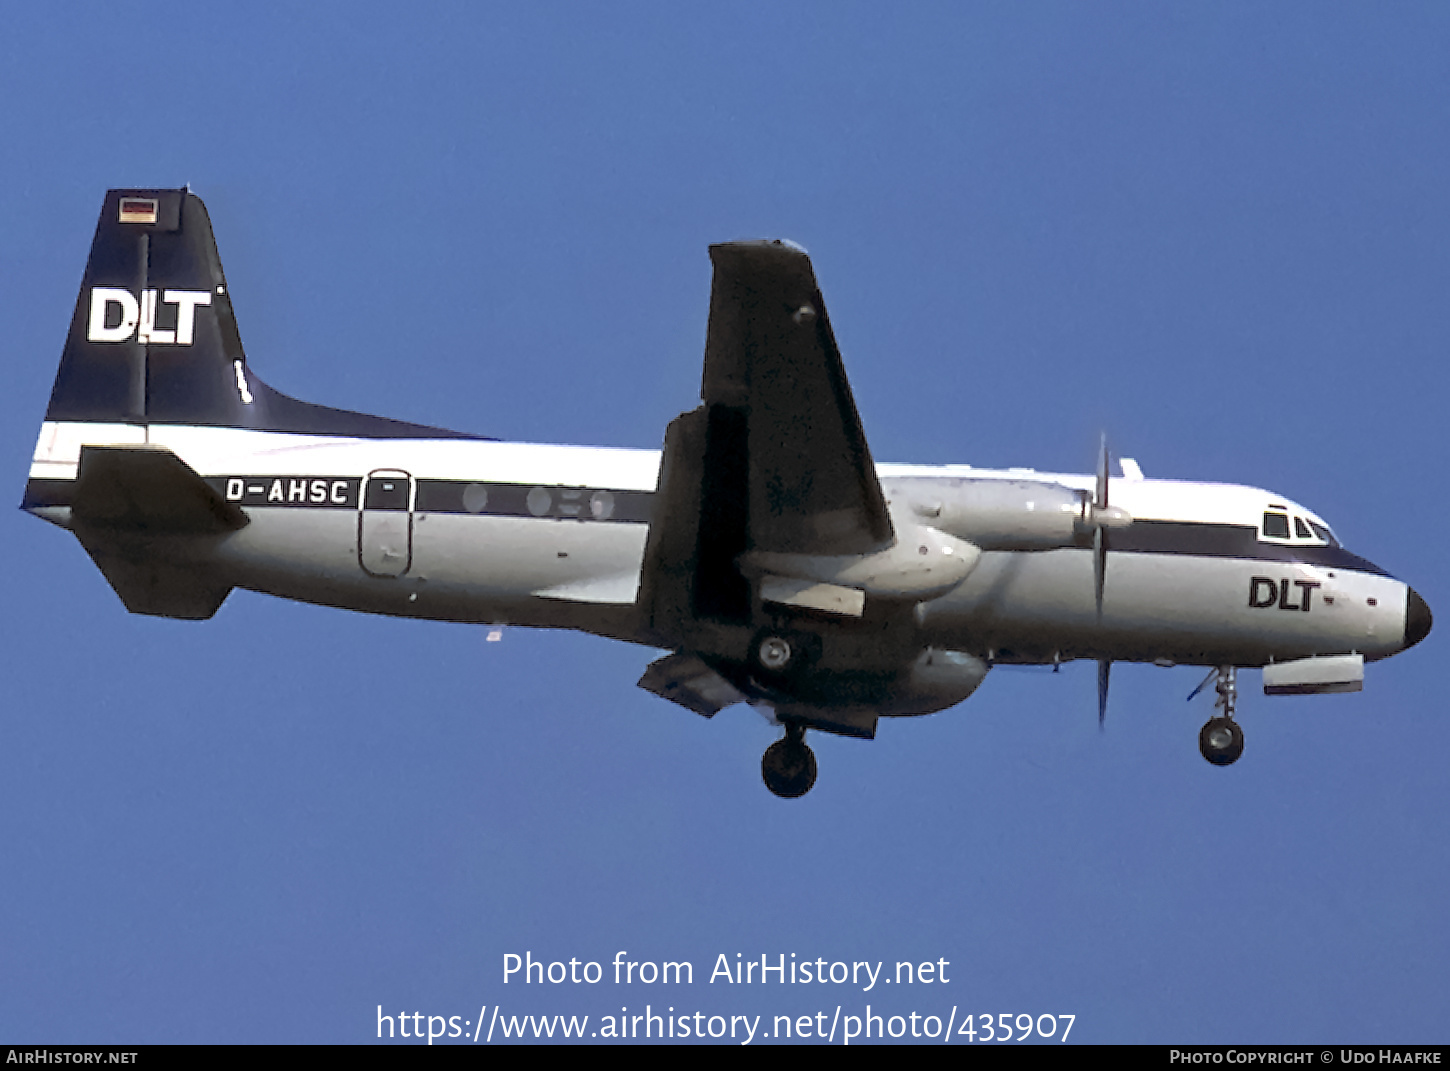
x,y
385,523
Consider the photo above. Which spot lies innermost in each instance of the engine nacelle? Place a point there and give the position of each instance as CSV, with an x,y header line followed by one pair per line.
x,y
1005,514
923,563
936,680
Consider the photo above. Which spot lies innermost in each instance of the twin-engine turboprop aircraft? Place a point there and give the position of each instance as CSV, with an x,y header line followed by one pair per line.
x,y
763,547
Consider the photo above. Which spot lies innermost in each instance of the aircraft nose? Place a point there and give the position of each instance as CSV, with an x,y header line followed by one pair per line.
x,y
1417,618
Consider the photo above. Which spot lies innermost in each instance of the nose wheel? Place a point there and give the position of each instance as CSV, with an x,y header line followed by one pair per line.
x,y
789,766
1221,741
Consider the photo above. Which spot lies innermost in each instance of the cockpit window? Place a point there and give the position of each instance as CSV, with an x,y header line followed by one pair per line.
x,y
1277,527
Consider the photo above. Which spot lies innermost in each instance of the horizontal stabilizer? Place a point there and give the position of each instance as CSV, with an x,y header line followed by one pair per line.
x,y
148,489
686,679
135,510
149,584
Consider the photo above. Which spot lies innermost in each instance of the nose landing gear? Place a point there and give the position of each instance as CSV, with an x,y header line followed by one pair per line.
x,y
789,766
1221,741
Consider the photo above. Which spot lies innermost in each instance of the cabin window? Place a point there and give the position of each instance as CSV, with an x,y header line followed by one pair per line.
x,y
1301,530
1276,525
1324,534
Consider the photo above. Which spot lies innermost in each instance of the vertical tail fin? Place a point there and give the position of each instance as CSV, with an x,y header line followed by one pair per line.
x,y
153,338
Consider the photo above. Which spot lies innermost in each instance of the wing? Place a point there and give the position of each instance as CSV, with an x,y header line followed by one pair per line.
x,y
775,461
770,356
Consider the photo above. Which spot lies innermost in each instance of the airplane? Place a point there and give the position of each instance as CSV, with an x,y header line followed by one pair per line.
x,y
762,548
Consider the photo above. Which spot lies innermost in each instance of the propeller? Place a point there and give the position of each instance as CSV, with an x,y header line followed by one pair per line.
x,y
1102,517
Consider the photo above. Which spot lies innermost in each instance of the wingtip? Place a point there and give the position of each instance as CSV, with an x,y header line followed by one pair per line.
x,y
745,245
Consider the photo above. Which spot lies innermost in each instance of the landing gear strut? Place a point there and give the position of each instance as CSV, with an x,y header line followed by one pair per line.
x,y
1221,741
789,766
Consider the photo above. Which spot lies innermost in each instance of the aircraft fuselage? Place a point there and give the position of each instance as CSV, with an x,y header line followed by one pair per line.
x,y
555,536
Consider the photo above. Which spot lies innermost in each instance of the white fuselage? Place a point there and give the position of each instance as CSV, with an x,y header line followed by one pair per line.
x,y
555,536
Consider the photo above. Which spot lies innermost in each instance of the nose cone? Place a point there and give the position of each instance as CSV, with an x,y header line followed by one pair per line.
x,y
1417,618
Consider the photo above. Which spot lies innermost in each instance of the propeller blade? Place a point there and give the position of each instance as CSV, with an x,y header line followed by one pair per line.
x,y
1100,573
1102,499
1100,566
1100,537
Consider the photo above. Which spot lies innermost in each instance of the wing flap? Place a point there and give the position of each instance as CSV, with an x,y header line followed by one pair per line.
x,y
686,679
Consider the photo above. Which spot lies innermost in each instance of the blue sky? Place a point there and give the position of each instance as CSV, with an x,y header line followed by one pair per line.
x,y
1217,232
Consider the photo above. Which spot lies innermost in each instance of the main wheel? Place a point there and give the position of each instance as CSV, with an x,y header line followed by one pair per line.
x,y
1221,741
775,653
788,768
779,658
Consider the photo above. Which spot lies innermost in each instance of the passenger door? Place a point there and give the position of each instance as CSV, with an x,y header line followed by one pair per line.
x,y
385,523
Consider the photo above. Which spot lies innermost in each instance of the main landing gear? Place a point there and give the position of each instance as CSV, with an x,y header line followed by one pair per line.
x,y
1221,741
778,660
789,766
